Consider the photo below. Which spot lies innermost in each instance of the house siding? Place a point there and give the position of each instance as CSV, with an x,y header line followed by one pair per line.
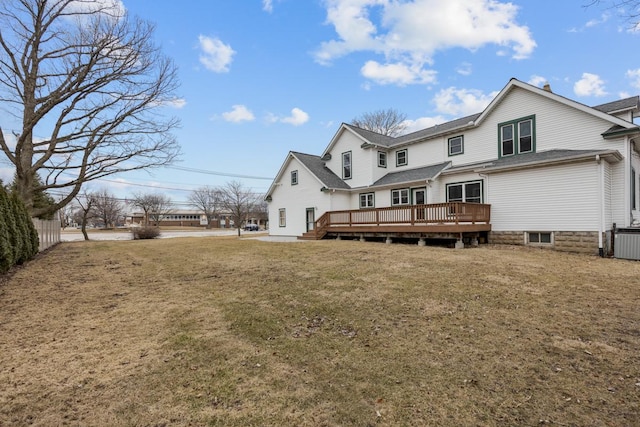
x,y
546,199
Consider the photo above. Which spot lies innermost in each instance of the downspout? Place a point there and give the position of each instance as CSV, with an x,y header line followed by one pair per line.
x,y
601,187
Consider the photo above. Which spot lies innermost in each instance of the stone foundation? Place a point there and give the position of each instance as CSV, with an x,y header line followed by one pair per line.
x,y
567,241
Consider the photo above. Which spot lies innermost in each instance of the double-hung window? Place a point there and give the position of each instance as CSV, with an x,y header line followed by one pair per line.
x,y
282,217
401,158
456,145
382,159
367,200
468,192
294,177
400,197
346,165
517,136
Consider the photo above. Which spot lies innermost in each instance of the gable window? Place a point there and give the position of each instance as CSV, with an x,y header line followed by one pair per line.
x,y
517,137
400,197
401,158
282,217
456,145
367,200
294,177
382,159
539,238
346,165
467,192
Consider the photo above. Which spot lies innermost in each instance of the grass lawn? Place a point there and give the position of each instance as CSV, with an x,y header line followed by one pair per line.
x,y
229,332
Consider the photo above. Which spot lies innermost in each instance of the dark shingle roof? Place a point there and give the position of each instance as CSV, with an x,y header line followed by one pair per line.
x,y
619,105
316,165
372,137
531,158
411,175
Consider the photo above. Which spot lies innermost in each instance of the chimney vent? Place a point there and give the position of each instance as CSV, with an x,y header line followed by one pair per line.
x,y
547,87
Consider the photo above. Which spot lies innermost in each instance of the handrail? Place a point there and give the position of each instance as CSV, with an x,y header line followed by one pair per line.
x,y
437,213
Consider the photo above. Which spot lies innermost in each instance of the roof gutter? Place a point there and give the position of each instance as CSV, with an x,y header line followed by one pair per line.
x,y
611,156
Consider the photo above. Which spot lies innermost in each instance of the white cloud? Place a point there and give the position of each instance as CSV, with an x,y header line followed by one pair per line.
x,y
113,8
462,102
422,123
176,103
399,74
538,81
464,69
634,76
267,6
409,33
589,85
238,114
297,118
215,56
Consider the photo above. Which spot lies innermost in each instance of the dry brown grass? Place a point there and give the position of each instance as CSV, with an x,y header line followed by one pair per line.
x,y
246,333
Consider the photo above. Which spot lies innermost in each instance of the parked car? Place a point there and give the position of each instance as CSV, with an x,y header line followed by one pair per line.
x,y
251,227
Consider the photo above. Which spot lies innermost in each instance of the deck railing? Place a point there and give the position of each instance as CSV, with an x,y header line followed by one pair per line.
x,y
413,215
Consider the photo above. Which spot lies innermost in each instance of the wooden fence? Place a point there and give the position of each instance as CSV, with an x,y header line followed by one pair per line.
x,y
48,232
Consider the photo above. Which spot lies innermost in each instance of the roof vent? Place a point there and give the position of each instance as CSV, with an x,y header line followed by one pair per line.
x,y
547,87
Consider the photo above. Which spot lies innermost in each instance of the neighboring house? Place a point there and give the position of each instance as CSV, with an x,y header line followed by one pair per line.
x,y
533,168
182,218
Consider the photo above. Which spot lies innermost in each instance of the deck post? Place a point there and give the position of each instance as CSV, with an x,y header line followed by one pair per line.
x,y
338,237
362,239
422,242
389,240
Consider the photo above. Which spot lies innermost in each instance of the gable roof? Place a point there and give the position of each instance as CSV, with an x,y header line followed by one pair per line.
x,y
603,111
317,167
412,175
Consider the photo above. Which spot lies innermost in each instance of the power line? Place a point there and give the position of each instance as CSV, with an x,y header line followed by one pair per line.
x,y
206,172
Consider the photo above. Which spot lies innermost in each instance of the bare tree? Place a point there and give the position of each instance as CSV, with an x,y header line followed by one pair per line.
x,y
85,211
107,207
628,9
206,199
238,202
154,206
388,122
88,86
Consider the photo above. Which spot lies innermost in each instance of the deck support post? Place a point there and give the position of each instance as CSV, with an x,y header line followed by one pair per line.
x,y
459,244
388,241
474,242
422,242
362,239
338,237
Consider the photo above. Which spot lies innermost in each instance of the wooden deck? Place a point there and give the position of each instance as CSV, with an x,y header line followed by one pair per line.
x,y
440,220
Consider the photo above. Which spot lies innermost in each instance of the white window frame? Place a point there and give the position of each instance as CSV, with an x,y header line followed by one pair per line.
x,y
450,145
294,177
347,165
405,162
382,159
503,140
402,197
282,217
367,200
534,238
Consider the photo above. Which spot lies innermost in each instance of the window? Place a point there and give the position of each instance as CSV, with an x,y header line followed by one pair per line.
x,y
294,177
367,200
456,145
382,159
517,137
346,165
468,192
400,197
540,237
401,158
282,217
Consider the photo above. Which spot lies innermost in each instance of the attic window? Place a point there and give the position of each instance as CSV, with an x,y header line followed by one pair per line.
x,y
346,165
456,145
517,136
294,177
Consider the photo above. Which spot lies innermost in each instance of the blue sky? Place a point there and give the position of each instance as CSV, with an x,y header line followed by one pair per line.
x,y
262,77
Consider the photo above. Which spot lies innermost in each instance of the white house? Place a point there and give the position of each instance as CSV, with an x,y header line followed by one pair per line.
x,y
533,168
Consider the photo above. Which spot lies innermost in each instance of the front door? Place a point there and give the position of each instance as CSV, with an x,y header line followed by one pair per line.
x,y
419,198
311,218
